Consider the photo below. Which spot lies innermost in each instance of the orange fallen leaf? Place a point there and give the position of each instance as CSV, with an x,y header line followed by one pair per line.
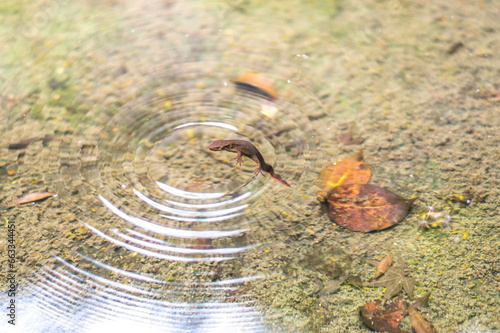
x,y
384,265
258,84
384,319
352,170
30,198
365,208
419,324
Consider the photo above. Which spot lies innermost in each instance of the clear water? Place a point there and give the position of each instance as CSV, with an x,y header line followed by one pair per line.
x,y
151,230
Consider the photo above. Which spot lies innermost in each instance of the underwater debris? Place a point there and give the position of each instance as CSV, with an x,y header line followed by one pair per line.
x,y
25,143
332,262
465,199
348,138
355,281
455,47
490,95
434,219
422,301
422,224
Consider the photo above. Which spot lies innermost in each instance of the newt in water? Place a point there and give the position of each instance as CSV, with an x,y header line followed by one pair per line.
x,y
245,148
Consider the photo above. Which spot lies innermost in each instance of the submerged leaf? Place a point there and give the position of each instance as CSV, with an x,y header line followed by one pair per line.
x,y
394,280
384,265
30,198
419,324
385,319
365,208
352,170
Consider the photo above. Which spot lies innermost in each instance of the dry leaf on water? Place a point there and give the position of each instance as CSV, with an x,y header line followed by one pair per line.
x,y
352,170
418,323
394,280
365,208
384,265
258,84
384,319
30,198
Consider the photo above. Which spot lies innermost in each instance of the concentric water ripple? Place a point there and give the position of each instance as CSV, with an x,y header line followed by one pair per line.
x,y
165,224
151,166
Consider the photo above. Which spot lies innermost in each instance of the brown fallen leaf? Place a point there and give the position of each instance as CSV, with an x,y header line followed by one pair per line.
x,y
365,208
384,319
352,170
394,280
418,323
384,265
30,198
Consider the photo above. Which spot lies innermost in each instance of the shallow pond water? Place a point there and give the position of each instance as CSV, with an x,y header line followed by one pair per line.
x,y
112,107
